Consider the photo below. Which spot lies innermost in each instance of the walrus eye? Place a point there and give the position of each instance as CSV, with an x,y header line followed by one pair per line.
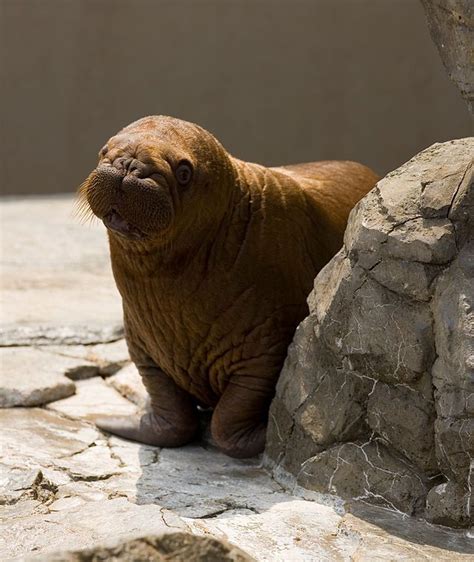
x,y
184,172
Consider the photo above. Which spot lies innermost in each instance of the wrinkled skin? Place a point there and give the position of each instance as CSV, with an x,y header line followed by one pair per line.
x,y
214,258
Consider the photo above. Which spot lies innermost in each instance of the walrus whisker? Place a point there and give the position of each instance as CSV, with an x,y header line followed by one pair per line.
x,y
82,210
83,213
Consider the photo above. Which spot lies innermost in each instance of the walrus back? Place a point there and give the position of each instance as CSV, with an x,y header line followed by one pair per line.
x,y
350,180
332,189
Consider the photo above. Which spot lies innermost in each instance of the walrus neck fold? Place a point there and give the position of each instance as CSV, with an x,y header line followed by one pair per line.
x,y
190,245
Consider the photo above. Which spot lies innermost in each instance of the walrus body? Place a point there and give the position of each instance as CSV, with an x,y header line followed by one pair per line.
x,y
214,258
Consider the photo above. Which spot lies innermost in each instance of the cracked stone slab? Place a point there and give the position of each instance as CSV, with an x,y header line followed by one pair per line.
x,y
84,526
17,484
29,378
94,397
56,281
95,463
191,481
129,383
386,535
47,334
34,437
290,530
106,358
108,488
307,531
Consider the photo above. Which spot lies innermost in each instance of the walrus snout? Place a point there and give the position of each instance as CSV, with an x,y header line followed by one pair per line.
x,y
127,200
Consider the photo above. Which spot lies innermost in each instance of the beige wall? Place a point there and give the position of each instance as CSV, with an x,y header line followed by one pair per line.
x,y
276,81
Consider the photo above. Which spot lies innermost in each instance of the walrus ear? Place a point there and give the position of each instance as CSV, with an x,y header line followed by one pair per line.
x,y
184,173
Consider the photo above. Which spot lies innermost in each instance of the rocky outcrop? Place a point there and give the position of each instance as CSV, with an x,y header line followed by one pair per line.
x,y
451,23
376,398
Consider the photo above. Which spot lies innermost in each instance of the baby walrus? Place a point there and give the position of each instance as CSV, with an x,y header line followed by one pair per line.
x,y
214,259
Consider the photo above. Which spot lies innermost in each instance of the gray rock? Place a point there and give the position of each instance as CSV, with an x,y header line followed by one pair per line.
x,y
326,424
451,24
365,471
380,316
461,207
453,372
411,279
386,355
437,194
30,378
450,504
422,240
454,440
412,433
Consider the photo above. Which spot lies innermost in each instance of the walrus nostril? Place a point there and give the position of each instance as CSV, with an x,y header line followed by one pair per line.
x,y
137,168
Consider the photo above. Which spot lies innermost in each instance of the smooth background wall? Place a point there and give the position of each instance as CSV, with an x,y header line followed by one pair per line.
x,y
276,81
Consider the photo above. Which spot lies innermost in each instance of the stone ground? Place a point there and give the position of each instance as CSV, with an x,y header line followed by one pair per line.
x,y
65,485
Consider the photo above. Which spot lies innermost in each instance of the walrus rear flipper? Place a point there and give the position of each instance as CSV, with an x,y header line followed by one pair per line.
x,y
171,422
239,420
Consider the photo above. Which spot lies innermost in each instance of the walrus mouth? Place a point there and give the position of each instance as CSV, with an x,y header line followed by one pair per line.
x,y
114,221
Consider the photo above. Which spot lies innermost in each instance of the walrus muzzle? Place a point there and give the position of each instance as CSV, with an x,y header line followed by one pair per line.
x,y
132,206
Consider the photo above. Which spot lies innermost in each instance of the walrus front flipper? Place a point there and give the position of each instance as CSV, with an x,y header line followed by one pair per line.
x,y
171,422
239,420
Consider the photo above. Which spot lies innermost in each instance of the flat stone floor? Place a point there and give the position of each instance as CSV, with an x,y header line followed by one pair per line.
x,y
65,485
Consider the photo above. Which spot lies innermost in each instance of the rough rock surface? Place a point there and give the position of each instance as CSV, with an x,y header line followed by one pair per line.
x,y
65,486
376,398
451,23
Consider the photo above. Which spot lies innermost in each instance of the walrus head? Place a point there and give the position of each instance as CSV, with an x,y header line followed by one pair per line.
x,y
157,178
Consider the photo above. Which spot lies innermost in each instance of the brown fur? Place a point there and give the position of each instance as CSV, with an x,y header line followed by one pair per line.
x,y
216,282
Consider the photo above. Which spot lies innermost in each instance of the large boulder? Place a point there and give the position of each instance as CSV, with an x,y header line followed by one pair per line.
x,y
376,397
